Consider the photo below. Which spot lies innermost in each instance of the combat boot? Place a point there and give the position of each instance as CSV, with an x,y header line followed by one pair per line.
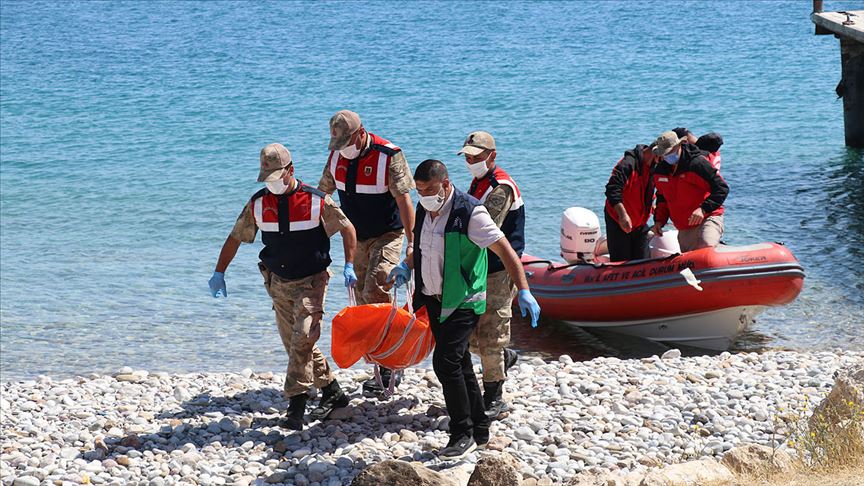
x,y
294,415
510,358
493,400
332,397
371,388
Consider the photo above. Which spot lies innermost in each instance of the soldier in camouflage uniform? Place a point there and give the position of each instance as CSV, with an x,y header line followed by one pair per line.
x,y
374,183
296,223
501,197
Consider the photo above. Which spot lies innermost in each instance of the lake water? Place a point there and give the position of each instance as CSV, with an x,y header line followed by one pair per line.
x,y
130,134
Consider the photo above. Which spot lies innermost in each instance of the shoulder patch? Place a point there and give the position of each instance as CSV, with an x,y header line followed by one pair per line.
x,y
391,150
313,190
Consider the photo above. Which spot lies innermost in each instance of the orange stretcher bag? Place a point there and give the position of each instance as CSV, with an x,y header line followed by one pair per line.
x,y
383,334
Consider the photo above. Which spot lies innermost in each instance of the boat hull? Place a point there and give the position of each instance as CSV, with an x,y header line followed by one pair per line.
x,y
654,299
710,330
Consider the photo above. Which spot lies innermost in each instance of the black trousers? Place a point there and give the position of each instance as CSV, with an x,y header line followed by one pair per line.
x,y
451,362
625,246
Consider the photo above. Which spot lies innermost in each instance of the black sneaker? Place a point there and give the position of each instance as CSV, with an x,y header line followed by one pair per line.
x,y
510,358
371,389
457,449
332,397
493,399
294,415
481,438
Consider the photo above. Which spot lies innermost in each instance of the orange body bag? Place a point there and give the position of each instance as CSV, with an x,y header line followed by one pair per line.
x,y
383,334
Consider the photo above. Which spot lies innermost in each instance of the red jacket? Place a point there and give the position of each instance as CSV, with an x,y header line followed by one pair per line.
x,y
691,183
631,184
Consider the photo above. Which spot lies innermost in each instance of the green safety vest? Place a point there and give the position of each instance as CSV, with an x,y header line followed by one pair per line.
x,y
465,264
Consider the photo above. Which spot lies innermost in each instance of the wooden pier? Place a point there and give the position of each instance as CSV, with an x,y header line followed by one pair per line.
x,y
848,26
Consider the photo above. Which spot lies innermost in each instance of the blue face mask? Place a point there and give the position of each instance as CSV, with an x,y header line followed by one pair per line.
x,y
671,158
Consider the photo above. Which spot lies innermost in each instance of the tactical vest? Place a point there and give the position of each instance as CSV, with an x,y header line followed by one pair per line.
x,y
364,188
513,225
295,243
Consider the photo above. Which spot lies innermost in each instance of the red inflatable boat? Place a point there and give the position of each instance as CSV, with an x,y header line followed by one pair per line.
x,y
701,298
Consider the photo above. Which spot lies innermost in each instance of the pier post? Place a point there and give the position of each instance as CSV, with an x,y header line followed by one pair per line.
x,y
852,86
848,26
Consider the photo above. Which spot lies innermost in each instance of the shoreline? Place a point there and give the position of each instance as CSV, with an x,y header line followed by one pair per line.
x,y
597,416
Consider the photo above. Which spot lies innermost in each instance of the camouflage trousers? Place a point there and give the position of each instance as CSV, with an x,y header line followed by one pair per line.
x,y
373,260
299,307
493,330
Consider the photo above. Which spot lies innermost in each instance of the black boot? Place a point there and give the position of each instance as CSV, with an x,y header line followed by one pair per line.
x,y
294,416
371,389
332,397
510,358
493,399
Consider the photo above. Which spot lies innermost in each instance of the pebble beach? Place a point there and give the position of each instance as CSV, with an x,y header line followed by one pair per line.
x,y
626,416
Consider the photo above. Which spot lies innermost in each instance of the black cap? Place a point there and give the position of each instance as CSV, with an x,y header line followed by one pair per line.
x,y
710,142
681,132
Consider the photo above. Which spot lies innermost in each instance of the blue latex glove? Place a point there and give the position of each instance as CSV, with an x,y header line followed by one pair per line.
x,y
217,283
527,303
400,275
350,276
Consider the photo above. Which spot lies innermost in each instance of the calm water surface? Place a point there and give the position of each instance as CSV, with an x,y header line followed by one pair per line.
x,y
130,134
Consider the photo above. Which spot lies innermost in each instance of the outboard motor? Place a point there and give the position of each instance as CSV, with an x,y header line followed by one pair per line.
x,y
580,231
663,246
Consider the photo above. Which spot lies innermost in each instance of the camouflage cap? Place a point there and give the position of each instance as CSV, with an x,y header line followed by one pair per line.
x,y
476,143
666,142
342,125
274,158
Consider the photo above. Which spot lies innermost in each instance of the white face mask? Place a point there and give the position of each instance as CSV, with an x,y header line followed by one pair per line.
x,y
350,152
433,203
479,169
277,186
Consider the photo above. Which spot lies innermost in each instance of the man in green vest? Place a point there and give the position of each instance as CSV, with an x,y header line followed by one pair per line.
x,y
451,234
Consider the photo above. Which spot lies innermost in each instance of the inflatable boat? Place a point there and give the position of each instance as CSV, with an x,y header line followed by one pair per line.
x,y
701,298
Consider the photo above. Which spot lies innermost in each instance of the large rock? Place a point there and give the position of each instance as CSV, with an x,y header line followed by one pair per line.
x,y
459,474
693,473
754,458
399,473
586,478
848,389
496,470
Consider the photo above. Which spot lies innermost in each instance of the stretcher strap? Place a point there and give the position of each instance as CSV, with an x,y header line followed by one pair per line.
x,y
405,333
409,296
395,375
395,347
419,347
352,297
391,387
387,326
378,380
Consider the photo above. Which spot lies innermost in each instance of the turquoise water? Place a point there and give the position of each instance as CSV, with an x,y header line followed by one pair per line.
x,y
130,134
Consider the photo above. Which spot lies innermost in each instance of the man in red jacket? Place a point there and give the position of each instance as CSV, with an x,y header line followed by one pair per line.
x,y
629,197
690,192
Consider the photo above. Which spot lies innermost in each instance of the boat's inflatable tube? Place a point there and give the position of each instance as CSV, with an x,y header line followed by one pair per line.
x,y
765,274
